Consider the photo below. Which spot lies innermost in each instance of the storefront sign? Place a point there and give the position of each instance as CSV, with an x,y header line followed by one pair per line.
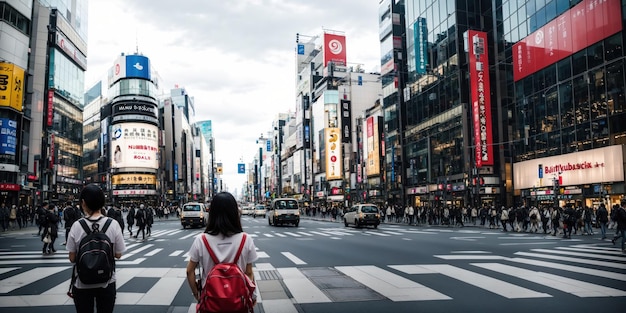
x,y
585,167
133,179
9,187
131,192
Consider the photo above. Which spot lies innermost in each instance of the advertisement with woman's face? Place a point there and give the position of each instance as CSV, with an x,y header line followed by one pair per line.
x,y
134,145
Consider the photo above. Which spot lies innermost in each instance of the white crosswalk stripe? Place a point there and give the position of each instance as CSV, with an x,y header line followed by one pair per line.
x,y
560,273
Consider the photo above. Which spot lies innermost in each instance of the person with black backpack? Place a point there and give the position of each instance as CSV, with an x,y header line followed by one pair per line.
x,y
94,243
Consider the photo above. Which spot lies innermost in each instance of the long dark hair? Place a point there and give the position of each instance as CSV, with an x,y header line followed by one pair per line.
x,y
223,216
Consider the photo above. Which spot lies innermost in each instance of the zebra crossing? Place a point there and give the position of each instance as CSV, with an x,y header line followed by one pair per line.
x,y
580,270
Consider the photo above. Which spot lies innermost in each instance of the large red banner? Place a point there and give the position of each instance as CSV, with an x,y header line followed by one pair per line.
x,y
583,25
334,49
481,99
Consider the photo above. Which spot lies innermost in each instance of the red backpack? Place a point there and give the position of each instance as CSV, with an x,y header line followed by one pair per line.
x,y
227,288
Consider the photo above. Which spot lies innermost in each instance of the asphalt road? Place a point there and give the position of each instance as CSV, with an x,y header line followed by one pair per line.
x,y
322,266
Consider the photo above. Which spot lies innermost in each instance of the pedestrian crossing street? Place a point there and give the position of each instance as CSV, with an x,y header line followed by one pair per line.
x,y
583,270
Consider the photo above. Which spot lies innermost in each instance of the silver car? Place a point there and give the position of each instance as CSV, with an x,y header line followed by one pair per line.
x,y
362,215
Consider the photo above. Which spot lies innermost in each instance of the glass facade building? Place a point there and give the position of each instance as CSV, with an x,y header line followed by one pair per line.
x,y
557,102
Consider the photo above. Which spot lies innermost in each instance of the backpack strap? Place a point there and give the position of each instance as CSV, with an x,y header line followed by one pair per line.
x,y
84,225
214,258
106,225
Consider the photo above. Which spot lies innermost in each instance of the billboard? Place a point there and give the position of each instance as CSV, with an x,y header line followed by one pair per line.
x,y
581,26
137,66
11,85
420,39
481,97
129,66
332,140
334,49
134,145
133,179
8,136
136,108
373,146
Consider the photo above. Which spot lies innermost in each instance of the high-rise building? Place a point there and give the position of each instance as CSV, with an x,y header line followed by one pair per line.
x,y
55,96
15,113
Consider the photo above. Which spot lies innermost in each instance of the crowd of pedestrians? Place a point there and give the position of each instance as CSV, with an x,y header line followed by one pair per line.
x,y
556,221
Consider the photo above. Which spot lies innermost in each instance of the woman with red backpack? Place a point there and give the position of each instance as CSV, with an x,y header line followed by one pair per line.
x,y
223,243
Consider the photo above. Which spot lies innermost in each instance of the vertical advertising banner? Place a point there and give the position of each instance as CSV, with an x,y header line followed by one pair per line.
x,y
8,136
50,108
137,66
577,28
11,85
333,153
134,145
346,121
373,147
481,97
118,70
334,49
420,41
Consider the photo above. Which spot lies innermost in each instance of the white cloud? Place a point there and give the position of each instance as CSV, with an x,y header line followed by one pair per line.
x,y
236,58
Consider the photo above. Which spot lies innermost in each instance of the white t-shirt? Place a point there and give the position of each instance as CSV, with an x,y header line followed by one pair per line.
x,y
224,249
76,234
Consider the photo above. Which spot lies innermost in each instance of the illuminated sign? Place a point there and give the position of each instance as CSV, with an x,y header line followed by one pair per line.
x,y
333,153
11,85
50,111
579,168
481,97
136,108
137,66
581,26
134,145
334,49
133,179
373,146
346,121
8,136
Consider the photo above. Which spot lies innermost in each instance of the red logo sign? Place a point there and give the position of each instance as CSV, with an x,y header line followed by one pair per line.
x,y
334,49
583,25
10,187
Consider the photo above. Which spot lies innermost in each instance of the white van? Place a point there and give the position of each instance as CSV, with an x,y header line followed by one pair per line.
x,y
283,211
194,214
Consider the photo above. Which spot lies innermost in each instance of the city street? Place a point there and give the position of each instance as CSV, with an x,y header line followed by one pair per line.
x,y
323,266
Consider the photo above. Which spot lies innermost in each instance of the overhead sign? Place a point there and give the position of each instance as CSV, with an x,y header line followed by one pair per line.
x,y
241,168
136,108
11,85
129,66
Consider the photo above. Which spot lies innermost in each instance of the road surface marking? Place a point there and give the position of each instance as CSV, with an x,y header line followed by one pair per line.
x,y
571,268
576,287
490,284
22,279
300,287
585,255
153,252
470,257
177,252
575,260
293,258
390,285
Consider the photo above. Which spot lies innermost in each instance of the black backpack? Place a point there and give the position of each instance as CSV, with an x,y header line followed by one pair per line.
x,y
95,261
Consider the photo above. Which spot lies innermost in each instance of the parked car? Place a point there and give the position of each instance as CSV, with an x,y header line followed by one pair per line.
x,y
259,210
194,214
284,211
362,215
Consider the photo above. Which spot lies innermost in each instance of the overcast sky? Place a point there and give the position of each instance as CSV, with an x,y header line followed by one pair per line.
x,y
236,58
